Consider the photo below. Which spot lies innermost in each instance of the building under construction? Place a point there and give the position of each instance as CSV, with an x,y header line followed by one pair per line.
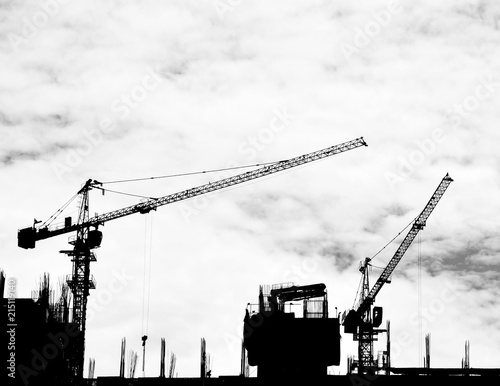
x,y
281,344
39,338
293,348
286,347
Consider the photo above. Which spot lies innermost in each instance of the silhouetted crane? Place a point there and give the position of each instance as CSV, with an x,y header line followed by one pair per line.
x,y
88,237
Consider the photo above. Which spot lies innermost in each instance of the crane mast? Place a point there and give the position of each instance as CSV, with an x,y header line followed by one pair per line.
x,y
359,320
87,239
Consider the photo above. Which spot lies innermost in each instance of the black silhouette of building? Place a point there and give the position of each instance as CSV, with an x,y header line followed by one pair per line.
x,y
37,344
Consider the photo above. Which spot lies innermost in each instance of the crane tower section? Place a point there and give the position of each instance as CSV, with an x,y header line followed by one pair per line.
x,y
360,321
88,237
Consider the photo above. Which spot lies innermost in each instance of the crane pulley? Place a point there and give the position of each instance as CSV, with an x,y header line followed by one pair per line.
x,y
88,239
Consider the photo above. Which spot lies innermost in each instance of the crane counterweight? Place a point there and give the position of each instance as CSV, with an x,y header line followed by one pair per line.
x,y
87,239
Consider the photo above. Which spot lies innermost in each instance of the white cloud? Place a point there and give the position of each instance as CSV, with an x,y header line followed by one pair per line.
x,y
222,80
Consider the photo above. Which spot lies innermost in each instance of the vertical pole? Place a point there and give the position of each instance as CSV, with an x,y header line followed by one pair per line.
x,y
388,371
243,359
203,359
162,358
122,359
144,338
428,351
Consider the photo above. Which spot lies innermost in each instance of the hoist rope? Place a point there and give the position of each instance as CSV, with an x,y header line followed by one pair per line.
x,y
149,270
146,273
170,176
59,211
190,173
125,194
394,238
419,298
358,292
146,283
376,254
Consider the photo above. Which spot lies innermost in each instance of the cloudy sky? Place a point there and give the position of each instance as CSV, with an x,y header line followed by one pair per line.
x,y
115,90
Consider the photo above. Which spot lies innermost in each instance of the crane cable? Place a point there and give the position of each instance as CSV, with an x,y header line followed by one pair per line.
x,y
376,254
171,176
191,173
358,296
124,193
146,283
419,298
58,212
394,238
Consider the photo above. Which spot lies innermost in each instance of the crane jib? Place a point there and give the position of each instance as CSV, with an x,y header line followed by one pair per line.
x,y
418,225
152,204
28,236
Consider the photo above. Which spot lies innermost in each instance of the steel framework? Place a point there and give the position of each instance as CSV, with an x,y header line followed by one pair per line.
x,y
360,318
88,239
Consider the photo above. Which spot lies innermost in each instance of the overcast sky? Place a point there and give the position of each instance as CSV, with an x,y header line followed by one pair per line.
x,y
114,90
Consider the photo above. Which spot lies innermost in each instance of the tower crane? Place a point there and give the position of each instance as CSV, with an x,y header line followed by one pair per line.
x,y
359,321
88,237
